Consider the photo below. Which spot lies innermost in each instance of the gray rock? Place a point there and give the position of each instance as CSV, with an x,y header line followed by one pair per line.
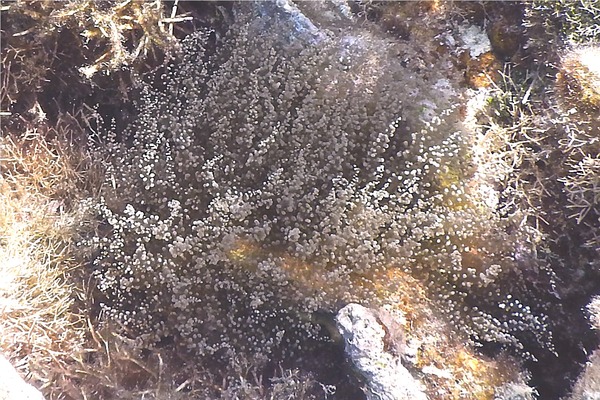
x,y
12,386
588,384
367,345
515,391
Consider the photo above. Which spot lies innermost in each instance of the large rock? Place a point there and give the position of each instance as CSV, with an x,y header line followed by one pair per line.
x,y
587,386
12,386
375,352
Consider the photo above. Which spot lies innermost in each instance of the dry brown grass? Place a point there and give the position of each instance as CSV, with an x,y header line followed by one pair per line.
x,y
45,314
119,33
40,326
45,326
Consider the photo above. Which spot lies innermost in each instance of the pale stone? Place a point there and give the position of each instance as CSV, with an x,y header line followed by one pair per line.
x,y
12,386
385,376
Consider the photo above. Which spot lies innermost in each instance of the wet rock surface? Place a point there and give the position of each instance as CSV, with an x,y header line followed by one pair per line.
x,y
365,339
12,386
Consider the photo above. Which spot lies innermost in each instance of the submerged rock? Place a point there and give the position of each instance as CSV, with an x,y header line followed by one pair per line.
x,y
587,386
12,386
367,342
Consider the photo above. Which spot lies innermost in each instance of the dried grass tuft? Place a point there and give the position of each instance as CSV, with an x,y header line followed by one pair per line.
x,y
40,325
